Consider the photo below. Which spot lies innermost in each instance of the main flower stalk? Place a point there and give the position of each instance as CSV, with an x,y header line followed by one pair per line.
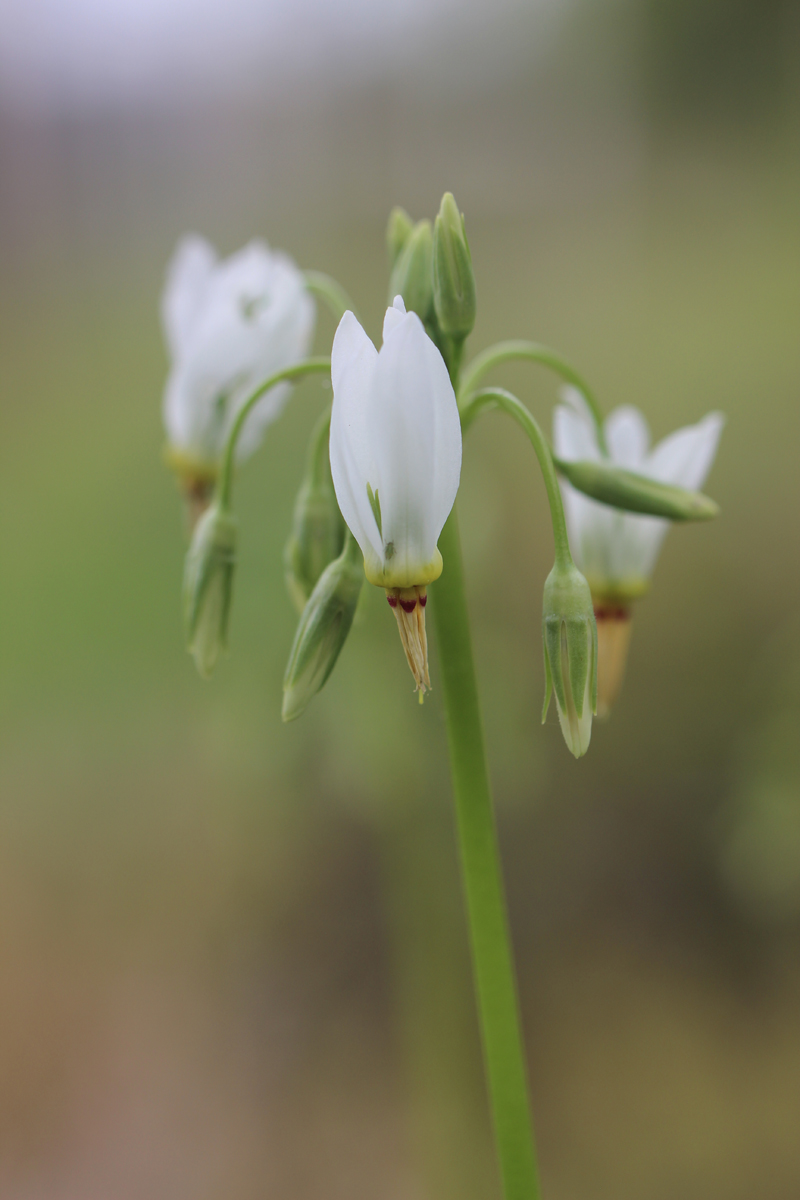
x,y
492,960
487,919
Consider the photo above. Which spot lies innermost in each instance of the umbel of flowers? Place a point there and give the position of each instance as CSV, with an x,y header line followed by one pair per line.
x,y
377,502
239,332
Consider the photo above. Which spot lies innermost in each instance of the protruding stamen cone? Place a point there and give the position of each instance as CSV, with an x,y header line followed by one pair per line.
x,y
613,638
408,606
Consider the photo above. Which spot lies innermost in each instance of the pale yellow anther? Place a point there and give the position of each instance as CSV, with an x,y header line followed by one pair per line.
x,y
408,606
613,638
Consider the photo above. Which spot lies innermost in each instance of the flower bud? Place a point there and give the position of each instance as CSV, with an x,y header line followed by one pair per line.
x,y
570,654
636,493
323,629
412,273
207,583
317,533
398,231
453,279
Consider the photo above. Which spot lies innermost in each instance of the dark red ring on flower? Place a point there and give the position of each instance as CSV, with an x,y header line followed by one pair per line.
x,y
423,600
392,601
408,606
616,612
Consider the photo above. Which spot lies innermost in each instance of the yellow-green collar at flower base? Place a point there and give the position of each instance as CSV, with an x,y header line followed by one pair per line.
x,y
612,593
190,469
382,574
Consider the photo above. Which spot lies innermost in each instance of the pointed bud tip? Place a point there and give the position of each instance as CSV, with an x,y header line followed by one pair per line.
x,y
412,273
453,278
398,231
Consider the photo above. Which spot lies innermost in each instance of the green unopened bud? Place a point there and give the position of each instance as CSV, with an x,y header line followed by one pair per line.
x,y
398,231
636,493
207,584
412,274
453,278
570,654
323,629
317,533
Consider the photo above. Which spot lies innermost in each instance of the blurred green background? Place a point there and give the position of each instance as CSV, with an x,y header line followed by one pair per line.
x,y
233,961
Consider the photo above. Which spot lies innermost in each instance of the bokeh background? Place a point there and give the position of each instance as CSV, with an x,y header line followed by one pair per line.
x,y
232,954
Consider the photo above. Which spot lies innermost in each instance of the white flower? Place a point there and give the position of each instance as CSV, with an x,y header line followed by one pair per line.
x,y
617,551
395,448
229,325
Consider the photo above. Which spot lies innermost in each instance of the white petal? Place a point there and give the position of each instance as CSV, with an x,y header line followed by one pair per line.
x,y
416,441
575,438
574,434
188,275
251,318
283,332
628,437
685,457
353,362
394,316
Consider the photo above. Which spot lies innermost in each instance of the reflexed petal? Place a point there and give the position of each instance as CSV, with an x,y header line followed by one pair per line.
x,y
574,432
188,275
247,318
353,362
628,437
615,548
415,434
575,437
685,457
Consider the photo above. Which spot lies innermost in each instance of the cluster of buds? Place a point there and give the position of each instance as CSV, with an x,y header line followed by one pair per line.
x,y
431,269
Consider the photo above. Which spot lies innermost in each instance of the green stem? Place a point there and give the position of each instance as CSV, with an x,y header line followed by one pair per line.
x,y
317,463
309,367
486,912
490,398
523,351
330,291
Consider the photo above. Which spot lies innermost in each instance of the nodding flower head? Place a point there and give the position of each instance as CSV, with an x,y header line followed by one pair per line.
x,y
617,550
395,448
229,324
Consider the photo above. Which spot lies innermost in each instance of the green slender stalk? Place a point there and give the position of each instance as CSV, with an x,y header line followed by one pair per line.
x,y
330,291
310,367
317,456
521,351
490,398
480,861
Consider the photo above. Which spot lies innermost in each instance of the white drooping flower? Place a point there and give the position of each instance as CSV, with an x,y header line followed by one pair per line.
x,y
395,448
616,550
229,325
